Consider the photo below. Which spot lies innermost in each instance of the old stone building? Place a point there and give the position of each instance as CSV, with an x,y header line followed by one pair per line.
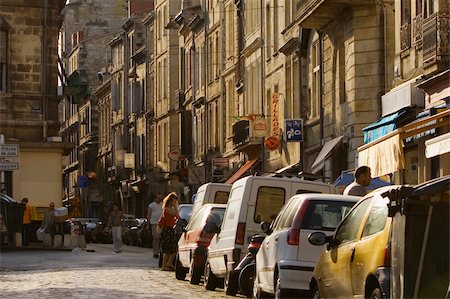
x,y
346,65
28,98
418,150
86,30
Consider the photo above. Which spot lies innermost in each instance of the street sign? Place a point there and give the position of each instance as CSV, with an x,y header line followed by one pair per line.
x,y
294,130
196,175
8,166
9,150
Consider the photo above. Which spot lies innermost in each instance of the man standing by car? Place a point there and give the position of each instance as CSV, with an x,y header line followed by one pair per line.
x,y
362,180
26,221
154,212
115,221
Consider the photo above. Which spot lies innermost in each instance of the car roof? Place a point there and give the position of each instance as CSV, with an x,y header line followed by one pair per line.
x,y
215,205
326,197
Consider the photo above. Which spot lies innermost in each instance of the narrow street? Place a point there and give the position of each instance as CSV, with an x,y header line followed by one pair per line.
x,y
86,274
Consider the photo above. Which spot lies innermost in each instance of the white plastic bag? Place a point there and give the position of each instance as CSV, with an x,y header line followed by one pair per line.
x,y
40,234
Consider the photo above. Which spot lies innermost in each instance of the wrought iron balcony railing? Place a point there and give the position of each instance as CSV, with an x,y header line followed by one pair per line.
x,y
435,38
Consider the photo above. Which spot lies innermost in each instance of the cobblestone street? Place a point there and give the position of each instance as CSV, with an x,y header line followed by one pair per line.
x,y
99,274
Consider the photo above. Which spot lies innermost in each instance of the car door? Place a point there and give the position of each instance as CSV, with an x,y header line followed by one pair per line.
x,y
333,269
274,245
369,251
189,237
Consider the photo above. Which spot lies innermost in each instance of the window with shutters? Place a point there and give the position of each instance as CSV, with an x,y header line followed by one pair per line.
x,y
3,59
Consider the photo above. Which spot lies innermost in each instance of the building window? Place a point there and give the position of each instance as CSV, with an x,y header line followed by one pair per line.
x,y
287,12
268,33
230,30
275,26
3,59
216,57
315,78
165,78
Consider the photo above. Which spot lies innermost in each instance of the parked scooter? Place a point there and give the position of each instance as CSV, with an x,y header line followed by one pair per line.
x,y
247,266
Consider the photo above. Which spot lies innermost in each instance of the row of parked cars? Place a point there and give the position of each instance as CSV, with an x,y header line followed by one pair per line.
x,y
290,237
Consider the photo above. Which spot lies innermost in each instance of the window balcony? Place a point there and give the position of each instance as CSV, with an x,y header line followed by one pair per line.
x,y
417,31
436,39
405,37
243,136
314,14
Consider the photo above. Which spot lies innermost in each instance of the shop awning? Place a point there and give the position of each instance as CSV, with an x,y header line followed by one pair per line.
x,y
326,151
437,146
290,169
241,171
385,155
384,125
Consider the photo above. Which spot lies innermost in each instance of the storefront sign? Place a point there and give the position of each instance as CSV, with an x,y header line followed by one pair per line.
x,y
275,115
294,130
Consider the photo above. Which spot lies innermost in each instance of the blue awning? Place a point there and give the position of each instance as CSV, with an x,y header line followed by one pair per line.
x,y
346,178
384,125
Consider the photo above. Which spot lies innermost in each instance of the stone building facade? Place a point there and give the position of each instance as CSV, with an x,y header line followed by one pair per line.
x,y
86,30
28,98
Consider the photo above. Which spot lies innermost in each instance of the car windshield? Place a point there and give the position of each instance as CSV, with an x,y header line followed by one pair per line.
x,y
185,212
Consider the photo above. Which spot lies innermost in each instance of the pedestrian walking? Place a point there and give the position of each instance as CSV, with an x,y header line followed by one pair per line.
x,y
26,222
49,222
168,238
362,179
115,223
154,212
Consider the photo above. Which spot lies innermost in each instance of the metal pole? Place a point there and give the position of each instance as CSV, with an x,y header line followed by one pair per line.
x,y
2,173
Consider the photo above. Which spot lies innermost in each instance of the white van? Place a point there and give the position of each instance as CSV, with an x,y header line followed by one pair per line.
x,y
252,200
211,193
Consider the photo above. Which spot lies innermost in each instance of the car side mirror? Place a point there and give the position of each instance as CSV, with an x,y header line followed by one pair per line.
x,y
317,238
265,226
211,228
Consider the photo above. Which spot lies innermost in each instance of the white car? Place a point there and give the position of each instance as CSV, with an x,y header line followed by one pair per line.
x,y
286,260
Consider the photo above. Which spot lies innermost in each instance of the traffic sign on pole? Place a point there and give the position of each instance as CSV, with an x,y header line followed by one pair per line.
x,y
9,150
8,166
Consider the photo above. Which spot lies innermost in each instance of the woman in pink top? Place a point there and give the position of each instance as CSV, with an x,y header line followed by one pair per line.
x,y
166,223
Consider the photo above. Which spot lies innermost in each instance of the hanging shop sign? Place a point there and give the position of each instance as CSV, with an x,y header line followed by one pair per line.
x,y
259,126
294,130
176,155
272,143
275,115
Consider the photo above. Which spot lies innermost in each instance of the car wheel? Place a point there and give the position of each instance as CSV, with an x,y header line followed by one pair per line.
x,y
315,292
376,294
211,281
196,274
279,292
231,283
246,280
180,271
257,293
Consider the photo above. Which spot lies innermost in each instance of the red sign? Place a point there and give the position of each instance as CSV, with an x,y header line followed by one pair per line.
x,y
272,143
275,115
175,155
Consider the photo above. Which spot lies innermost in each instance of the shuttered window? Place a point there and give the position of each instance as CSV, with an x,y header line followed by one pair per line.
x,y
3,46
3,59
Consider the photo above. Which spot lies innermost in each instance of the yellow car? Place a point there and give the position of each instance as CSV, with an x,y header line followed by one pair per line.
x,y
356,260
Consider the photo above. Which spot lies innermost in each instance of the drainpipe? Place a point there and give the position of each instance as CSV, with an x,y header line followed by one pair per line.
x,y
322,141
299,55
263,82
381,3
44,73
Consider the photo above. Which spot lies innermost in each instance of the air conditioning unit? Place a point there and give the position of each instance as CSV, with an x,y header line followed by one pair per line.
x,y
405,95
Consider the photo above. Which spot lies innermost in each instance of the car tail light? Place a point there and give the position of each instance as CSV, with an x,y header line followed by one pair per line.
x,y
240,233
387,256
294,231
204,239
294,236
